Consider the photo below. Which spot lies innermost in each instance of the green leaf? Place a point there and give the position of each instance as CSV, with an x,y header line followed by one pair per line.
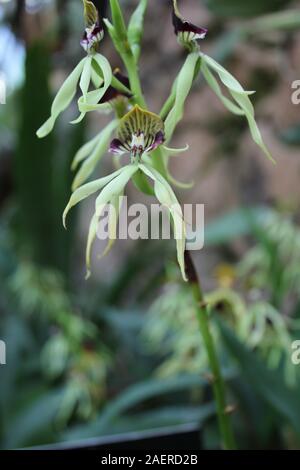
x,y
166,197
98,151
113,217
184,84
62,99
234,224
135,395
135,28
241,97
114,187
269,384
33,420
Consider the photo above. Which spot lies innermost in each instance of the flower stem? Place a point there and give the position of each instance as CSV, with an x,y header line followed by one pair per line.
x,y
134,79
218,385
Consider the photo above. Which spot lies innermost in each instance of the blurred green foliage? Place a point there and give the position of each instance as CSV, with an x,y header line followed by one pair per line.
x,y
88,360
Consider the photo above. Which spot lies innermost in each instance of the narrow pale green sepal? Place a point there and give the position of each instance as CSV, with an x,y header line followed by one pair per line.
x,y
166,197
84,152
212,82
87,190
184,84
114,188
62,99
85,78
98,151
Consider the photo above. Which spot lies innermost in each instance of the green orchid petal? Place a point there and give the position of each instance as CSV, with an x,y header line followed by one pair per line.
x,y
229,80
184,84
242,99
92,98
98,152
87,190
91,238
212,82
166,197
114,188
85,78
113,217
84,152
63,98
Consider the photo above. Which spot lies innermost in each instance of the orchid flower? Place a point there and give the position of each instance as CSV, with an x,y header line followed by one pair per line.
x,y
83,72
138,134
240,104
187,33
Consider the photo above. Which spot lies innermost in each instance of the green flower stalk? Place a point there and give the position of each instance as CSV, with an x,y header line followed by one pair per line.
x,y
144,136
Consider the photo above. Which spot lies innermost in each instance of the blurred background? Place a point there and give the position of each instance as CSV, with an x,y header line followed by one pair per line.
x,y
121,352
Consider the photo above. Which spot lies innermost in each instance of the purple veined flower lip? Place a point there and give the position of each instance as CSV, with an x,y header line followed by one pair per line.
x,y
186,31
92,37
139,132
112,93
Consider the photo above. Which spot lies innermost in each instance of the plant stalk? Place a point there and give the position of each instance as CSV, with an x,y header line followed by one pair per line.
x,y
218,384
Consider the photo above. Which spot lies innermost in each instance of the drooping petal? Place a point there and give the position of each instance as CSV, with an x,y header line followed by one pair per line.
x,y
166,197
85,78
87,190
113,217
93,97
97,153
63,98
183,86
84,152
212,82
114,188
